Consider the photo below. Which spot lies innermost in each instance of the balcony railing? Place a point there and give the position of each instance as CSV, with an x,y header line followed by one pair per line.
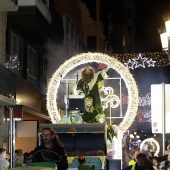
x,y
7,83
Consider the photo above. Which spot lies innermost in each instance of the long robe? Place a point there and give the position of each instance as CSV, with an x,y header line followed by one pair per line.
x,y
92,89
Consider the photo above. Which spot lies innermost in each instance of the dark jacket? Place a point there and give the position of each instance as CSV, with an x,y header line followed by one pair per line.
x,y
137,167
61,160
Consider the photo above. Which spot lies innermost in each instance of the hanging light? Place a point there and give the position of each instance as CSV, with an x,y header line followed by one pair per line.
x,y
164,38
167,26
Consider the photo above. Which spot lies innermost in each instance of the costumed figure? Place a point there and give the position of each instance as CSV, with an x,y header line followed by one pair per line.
x,y
90,113
91,83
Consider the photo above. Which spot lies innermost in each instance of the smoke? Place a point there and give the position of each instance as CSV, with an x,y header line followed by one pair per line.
x,y
55,56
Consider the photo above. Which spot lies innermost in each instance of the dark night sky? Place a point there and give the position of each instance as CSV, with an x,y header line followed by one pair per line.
x,y
147,20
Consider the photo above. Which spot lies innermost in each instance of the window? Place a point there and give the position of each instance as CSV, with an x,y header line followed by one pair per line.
x,y
32,70
14,60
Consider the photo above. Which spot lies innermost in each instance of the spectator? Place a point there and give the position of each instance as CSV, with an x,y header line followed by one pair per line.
x,y
142,163
133,161
166,163
155,160
19,157
4,163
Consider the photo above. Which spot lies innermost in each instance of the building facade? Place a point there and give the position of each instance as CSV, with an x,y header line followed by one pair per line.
x,y
36,37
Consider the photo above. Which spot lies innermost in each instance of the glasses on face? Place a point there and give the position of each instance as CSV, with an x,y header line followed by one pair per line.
x,y
46,135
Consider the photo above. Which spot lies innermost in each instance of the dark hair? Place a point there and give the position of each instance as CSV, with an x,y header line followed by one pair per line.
x,y
56,140
143,161
156,158
2,150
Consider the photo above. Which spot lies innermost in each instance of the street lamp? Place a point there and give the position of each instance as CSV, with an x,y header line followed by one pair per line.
x,y
164,38
167,26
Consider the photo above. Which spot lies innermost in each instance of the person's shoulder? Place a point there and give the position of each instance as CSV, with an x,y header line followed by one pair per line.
x,y
59,146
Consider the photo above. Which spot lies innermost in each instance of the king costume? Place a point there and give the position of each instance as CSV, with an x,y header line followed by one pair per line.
x,y
92,89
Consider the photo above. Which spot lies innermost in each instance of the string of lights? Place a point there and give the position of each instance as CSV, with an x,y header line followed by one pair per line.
x,y
148,59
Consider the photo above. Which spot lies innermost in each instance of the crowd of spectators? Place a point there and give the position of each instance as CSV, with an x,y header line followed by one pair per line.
x,y
149,161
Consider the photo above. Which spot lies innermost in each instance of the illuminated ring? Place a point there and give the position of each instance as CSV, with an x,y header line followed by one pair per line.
x,y
144,142
84,58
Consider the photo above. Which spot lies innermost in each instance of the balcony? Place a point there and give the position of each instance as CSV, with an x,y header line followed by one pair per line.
x,y
8,5
34,20
42,8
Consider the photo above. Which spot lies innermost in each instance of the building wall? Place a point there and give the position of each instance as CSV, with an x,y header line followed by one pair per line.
x,y
3,16
3,24
71,9
1,125
26,135
27,94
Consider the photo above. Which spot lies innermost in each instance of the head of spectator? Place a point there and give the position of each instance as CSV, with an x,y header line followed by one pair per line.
x,y
155,160
143,161
50,138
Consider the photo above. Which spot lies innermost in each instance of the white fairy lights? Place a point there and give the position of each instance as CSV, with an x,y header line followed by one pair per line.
x,y
153,142
84,58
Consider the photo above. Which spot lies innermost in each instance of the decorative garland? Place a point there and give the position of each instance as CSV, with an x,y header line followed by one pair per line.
x,y
149,59
84,58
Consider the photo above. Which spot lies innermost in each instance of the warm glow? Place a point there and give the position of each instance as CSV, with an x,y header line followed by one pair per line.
x,y
18,101
167,25
164,40
131,136
83,58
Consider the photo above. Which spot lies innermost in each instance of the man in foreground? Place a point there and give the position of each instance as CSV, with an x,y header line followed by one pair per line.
x,y
50,149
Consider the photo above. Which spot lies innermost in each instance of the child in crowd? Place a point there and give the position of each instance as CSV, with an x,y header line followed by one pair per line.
x,y
19,158
4,163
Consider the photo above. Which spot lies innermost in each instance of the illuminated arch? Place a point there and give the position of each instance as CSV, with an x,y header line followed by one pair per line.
x,y
150,140
89,58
